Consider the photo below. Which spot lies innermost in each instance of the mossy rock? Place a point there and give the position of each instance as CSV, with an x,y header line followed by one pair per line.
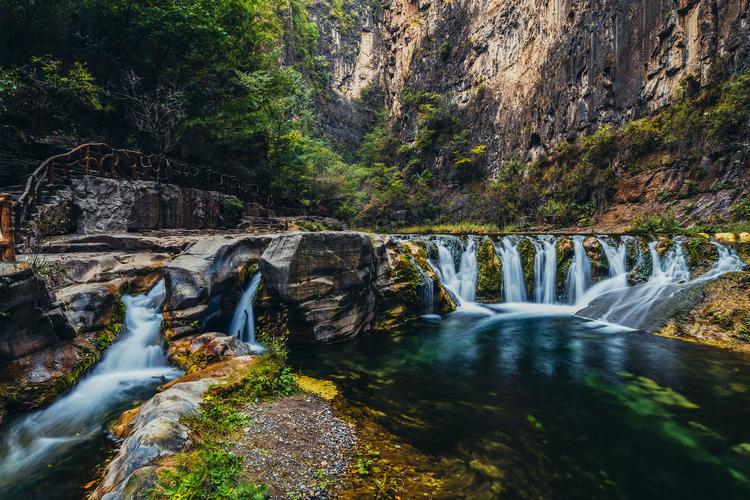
x,y
527,250
17,395
489,277
599,262
701,254
565,256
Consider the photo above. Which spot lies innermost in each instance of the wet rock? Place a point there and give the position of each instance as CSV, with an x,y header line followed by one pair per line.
x,y
208,274
154,433
716,313
326,279
30,319
490,272
198,351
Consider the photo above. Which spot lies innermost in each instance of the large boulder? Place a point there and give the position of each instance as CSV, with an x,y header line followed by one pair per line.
x,y
153,433
327,280
30,319
204,281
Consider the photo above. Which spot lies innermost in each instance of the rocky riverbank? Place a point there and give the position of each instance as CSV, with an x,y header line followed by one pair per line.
x,y
61,309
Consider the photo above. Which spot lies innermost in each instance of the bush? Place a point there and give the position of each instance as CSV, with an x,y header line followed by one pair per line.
x,y
208,473
232,211
656,223
44,96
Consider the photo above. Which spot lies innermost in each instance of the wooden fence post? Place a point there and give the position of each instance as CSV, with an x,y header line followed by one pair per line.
x,y
7,242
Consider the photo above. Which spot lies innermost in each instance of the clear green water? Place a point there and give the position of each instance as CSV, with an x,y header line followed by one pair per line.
x,y
555,407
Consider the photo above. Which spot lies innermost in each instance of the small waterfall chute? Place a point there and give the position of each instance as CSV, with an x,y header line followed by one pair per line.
x,y
545,270
428,289
618,274
514,282
579,274
243,320
462,282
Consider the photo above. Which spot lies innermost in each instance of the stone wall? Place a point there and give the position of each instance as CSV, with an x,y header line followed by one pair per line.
x,y
110,205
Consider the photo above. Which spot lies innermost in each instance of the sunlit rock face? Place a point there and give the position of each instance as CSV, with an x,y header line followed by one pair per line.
x,y
526,74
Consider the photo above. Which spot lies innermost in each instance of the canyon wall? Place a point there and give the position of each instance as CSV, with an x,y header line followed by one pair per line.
x,y
524,75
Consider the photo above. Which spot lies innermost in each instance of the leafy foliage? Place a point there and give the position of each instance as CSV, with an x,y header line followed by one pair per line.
x,y
211,472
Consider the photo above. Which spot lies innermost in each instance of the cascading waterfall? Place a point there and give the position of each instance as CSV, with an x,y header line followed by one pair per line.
x,y
618,273
621,303
468,272
514,282
427,287
133,363
243,320
545,270
669,275
579,274
462,282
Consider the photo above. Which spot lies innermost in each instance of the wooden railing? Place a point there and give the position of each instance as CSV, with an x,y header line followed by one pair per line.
x,y
105,161
7,244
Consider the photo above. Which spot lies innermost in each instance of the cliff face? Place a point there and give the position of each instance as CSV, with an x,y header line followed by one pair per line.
x,y
523,75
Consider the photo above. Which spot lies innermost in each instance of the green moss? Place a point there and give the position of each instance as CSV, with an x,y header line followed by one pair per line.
x,y
528,251
311,226
489,273
700,253
211,470
248,270
664,223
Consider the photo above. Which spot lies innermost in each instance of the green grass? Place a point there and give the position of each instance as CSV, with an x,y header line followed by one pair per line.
x,y
452,228
211,470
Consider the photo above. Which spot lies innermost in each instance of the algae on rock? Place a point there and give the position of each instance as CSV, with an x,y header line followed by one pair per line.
x,y
490,272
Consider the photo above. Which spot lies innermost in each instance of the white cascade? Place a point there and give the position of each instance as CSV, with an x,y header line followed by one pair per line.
x,y
545,270
579,274
134,362
668,275
618,274
243,320
514,282
462,282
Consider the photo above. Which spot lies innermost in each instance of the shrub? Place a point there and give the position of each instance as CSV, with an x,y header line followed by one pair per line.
x,y
232,211
656,223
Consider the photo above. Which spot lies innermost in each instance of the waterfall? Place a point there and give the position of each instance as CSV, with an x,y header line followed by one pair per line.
x,y
514,283
243,320
427,287
618,273
133,363
468,272
669,275
545,270
462,282
579,274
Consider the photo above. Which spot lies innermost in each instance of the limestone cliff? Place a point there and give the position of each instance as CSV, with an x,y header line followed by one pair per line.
x,y
523,75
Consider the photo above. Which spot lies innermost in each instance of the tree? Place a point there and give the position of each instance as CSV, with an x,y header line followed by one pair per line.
x,y
43,97
159,115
